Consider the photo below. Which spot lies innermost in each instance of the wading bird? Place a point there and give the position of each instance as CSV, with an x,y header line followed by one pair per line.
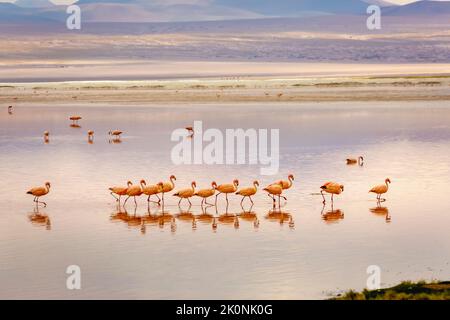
x,y
381,189
359,161
10,109
115,133
120,191
273,190
227,188
38,192
90,136
285,184
333,188
186,193
206,193
152,190
75,120
248,192
46,137
168,186
133,191
191,131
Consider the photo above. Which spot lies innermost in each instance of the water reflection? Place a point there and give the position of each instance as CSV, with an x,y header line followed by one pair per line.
x,y
41,219
413,151
115,141
214,219
280,217
381,212
332,216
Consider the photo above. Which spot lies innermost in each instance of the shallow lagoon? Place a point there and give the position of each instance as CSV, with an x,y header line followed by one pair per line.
x,y
309,251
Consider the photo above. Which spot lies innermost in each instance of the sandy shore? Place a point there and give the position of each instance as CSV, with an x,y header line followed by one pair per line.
x,y
225,91
204,83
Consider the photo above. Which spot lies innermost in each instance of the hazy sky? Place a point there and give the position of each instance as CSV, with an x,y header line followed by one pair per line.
x,y
183,1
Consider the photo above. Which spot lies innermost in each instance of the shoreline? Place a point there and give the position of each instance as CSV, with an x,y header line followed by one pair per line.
x,y
232,90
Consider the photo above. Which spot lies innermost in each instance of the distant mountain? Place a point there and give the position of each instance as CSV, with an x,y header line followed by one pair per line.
x,y
12,14
33,3
294,7
420,8
140,11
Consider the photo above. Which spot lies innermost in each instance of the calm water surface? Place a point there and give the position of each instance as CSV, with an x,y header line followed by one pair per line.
x,y
309,251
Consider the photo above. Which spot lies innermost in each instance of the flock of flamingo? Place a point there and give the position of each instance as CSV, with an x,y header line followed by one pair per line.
x,y
274,190
132,191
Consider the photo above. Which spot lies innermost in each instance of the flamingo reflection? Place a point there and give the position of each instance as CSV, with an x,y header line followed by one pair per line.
x,y
280,216
40,219
332,216
381,212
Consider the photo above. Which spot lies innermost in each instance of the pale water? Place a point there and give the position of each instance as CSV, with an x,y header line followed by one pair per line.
x,y
307,252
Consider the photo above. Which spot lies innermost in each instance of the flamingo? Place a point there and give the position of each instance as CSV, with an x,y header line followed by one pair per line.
x,y
75,120
248,192
381,189
284,184
333,188
152,190
115,133
46,137
133,191
90,136
206,193
120,191
38,192
359,161
273,190
186,193
191,131
168,186
227,188
10,111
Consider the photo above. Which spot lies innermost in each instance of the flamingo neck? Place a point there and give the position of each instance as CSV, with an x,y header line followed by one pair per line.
x,y
290,181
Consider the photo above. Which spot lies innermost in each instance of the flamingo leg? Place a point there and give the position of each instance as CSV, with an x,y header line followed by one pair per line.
x,y
180,201
242,199
41,202
332,198
217,196
226,197
251,200
135,202
321,192
190,204
126,200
